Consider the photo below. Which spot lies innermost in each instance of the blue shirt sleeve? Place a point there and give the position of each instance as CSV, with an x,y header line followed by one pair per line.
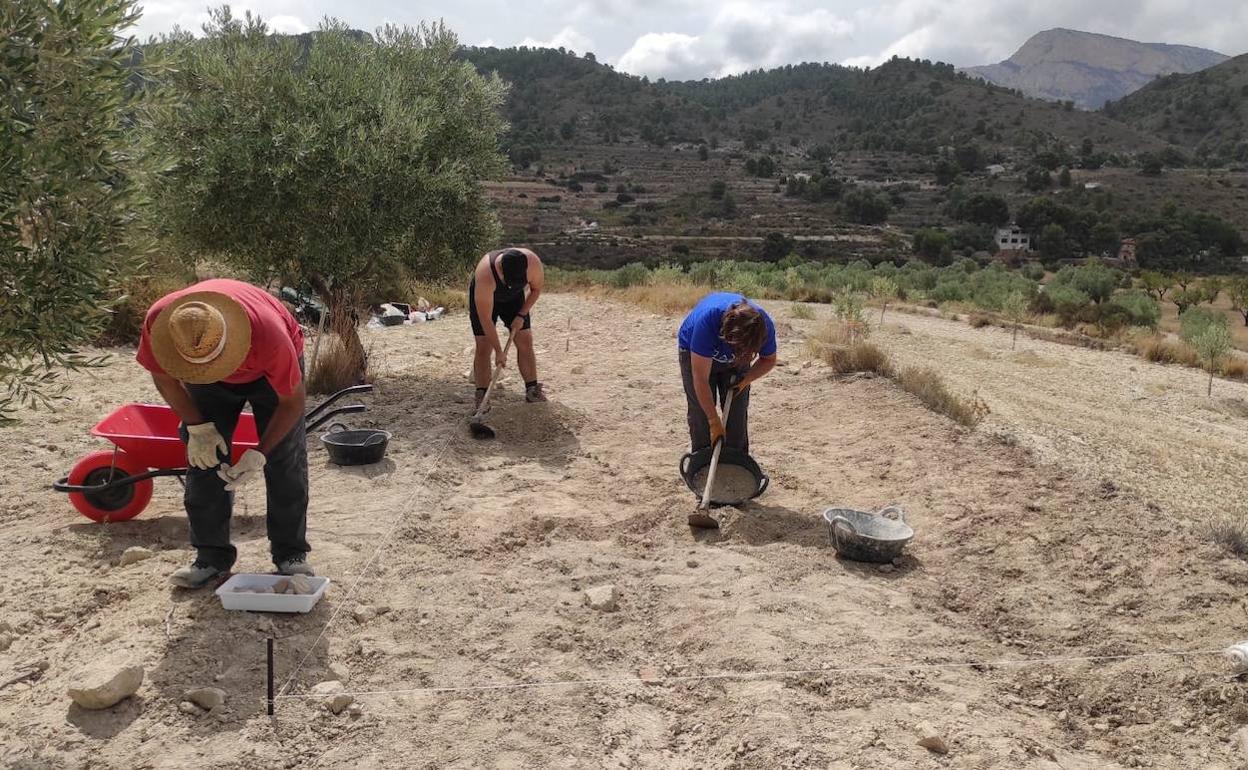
x,y
769,347
705,338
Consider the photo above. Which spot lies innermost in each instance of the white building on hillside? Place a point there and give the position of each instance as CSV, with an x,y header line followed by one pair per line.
x,y
1012,238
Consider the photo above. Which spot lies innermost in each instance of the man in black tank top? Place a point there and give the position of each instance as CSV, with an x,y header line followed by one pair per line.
x,y
497,292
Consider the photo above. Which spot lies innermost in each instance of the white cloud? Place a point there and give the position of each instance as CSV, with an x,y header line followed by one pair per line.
x,y
287,25
740,37
567,37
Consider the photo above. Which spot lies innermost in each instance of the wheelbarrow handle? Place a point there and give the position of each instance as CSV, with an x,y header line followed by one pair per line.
x,y
317,421
62,484
312,415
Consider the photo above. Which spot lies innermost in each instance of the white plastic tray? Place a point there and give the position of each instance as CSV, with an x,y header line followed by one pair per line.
x,y
239,600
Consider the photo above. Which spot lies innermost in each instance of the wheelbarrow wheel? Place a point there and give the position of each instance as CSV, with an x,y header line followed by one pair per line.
x,y
116,504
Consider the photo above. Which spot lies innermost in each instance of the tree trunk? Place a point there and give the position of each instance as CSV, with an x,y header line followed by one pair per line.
x,y
884,310
343,324
1014,341
1209,392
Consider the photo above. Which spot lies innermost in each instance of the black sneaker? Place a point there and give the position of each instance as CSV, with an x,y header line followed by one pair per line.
x,y
296,565
197,575
534,395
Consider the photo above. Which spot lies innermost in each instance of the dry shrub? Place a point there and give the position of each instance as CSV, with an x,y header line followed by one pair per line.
x,y
844,347
1163,351
334,369
979,320
1235,368
928,387
126,320
1070,338
802,312
1229,532
1047,320
439,295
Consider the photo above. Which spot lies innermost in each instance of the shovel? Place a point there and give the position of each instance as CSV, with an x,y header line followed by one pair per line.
x,y
476,423
701,517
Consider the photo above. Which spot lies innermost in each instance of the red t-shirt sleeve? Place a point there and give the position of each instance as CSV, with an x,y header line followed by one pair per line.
x,y
282,370
144,355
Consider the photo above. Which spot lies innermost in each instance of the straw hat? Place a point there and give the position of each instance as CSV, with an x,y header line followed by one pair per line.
x,y
201,337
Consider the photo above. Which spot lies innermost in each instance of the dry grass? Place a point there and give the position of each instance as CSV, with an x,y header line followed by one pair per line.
x,y
802,312
1163,351
1229,532
439,295
980,320
1075,339
334,369
927,386
664,299
845,349
1235,369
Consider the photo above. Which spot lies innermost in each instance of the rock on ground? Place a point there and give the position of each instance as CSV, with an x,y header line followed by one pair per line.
x,y
1240,742
135,553
207,698
602,598
333,695
105,684
931,740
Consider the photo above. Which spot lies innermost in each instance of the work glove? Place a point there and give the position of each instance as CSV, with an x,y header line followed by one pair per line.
x,y
248,466
204,446
717,429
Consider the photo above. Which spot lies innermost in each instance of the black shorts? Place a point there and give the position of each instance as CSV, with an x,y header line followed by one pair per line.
x,y
505,311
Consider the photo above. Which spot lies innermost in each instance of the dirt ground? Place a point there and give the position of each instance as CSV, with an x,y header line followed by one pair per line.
x,y
478,553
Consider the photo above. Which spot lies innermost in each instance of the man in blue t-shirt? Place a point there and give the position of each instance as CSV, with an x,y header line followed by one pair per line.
x,y
725,342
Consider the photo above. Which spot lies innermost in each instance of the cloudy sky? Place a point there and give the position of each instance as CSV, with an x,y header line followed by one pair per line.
x,y
682,39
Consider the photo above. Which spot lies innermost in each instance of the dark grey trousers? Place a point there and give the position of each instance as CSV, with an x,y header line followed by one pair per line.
x,y
736,432
209,506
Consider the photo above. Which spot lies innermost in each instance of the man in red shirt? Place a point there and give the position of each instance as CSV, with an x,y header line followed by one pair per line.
x,y
212,348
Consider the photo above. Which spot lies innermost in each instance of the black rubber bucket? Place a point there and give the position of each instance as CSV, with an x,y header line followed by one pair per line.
x,y
355,447
872,537
693,462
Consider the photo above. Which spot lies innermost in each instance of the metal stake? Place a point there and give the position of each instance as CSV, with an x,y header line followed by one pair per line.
x,y
270,645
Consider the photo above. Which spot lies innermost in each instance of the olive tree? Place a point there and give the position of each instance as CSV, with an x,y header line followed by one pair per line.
x,y
1206,331
335,160
883,289
1237,291
71,185
1015,306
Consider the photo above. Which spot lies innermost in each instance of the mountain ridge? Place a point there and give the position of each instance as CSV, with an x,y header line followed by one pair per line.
x,y
1089,68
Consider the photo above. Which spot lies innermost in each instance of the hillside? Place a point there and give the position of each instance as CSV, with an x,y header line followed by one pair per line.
x,y
902,106
1206,111
1090,69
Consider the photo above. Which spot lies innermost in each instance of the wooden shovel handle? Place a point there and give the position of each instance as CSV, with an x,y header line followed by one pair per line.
x,y
498,370
714,467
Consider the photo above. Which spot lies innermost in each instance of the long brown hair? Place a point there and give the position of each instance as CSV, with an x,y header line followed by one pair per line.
x,y
744,329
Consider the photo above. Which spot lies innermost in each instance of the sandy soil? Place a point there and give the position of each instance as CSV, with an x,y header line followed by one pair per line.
x,y
479,554
1112,417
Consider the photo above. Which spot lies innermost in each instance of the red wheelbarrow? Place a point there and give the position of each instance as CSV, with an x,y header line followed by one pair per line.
x,y
116,485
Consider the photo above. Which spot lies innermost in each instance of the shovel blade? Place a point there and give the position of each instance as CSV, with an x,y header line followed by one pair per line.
x,y
480,430
703,519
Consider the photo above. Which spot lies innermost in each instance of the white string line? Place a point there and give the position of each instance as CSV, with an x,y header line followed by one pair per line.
x,y
385,539
911,665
